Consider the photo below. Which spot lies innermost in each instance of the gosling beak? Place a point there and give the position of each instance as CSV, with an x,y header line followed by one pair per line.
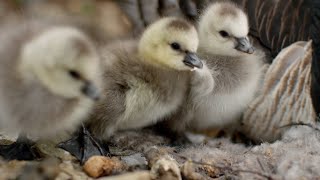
x,y
192,60
91,91
244,45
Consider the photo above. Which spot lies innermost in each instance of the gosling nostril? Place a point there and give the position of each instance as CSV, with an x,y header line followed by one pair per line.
x,y
251,50
244,45
91,91
192,60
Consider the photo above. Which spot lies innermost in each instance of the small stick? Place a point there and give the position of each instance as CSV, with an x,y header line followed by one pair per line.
x,y
300,124
228,168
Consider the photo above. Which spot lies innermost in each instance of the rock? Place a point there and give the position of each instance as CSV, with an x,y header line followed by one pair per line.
x,y
211,171
188,171
155,153
166,168
98,166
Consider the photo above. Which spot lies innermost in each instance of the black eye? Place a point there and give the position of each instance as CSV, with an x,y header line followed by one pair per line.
x,y
223,33
175,46
74,74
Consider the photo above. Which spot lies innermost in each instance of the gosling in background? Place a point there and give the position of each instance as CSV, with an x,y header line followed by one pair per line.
x,y
219,95
49,80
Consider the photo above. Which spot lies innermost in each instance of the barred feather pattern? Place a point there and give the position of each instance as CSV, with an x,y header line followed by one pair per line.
x,y
285,97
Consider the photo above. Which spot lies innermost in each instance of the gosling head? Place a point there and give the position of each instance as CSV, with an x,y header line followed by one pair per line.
x,y
171,43
64,61
223,30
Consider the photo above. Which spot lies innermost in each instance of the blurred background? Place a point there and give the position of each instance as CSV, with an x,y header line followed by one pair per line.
x,y
104,20
276,24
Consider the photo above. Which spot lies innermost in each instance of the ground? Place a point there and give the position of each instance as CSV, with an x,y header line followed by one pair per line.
x,y
145,155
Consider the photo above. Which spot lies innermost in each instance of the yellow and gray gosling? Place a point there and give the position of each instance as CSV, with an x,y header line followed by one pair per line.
x,y
145,80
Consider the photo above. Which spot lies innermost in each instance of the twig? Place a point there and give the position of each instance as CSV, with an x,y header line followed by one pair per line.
x,y
230,169
260,164
248,150
300,124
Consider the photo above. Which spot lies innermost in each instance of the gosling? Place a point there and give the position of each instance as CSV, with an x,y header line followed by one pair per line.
x,y
145,80
220,93
49,80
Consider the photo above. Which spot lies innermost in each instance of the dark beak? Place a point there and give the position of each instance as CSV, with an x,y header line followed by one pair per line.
x,y
91,91
244,45
192,60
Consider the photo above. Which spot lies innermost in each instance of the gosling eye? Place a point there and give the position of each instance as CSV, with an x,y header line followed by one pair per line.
x,y
176,46
224,34
74,74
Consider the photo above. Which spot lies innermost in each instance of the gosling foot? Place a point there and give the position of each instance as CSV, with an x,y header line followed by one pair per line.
x,y
83,145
